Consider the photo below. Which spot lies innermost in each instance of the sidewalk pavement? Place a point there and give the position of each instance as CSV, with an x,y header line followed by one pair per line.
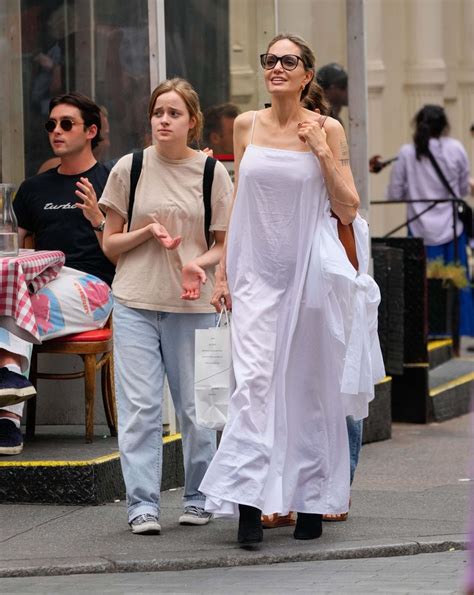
x,y
410,496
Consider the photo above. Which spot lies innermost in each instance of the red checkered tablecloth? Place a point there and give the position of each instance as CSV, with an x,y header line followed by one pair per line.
x,y
21,276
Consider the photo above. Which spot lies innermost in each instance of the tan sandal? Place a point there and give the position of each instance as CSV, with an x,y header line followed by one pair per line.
x,y
272,521
337,518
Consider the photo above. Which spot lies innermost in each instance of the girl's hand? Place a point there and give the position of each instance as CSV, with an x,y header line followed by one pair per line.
x,y
88,206
208,152
192,275
310,132
221,291
160,233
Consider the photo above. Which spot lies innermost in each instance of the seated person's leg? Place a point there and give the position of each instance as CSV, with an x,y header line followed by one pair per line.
x,y
11,438
15,357
74,302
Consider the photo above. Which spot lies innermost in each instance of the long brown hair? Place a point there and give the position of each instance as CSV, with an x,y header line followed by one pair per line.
x,y
312,96
191,99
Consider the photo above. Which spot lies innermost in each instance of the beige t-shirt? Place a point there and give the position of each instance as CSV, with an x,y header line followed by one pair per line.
x,y
149,276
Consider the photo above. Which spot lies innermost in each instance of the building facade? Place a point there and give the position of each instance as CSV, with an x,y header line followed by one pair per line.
x,y
418,51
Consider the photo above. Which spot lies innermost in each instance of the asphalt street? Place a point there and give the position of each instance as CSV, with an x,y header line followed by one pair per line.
x,y
424,574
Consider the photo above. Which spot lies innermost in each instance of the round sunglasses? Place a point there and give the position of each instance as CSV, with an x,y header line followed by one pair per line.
x,y
288,61
66,124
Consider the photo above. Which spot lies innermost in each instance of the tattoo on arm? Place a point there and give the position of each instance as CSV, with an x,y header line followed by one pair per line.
x,y
344,159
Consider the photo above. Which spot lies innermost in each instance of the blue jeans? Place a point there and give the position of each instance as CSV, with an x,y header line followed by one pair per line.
x,y
354,431
148,344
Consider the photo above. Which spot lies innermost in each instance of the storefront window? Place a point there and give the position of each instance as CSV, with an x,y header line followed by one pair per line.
x,y
99,48
215,45
102,48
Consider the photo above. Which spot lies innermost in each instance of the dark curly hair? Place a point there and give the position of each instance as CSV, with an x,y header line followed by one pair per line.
x,y
90,111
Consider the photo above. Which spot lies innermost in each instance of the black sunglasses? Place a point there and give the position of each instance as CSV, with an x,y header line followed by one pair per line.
x,y
66,124
288,61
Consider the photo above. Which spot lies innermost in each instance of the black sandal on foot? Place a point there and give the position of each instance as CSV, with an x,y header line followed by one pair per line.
x,y
250,526
308,526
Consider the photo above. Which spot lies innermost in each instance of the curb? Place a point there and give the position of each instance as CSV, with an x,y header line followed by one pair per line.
x,y
103,565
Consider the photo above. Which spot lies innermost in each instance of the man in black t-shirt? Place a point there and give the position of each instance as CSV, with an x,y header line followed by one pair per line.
x,y
46,206
60,208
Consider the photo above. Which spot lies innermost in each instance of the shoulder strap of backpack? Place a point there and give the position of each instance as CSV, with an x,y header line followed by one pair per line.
x,y
208,178
135,171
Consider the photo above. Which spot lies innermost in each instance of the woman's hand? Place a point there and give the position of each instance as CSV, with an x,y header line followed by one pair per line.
x,y
221,292
88,206
192,275
311,133
160,233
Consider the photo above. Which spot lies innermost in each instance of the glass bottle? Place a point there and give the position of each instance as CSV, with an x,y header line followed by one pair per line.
x,y
8,222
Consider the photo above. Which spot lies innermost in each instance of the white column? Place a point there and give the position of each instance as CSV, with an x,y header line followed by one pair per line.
x,y
426,68
466,78
157,41
356,61
243,83
376,80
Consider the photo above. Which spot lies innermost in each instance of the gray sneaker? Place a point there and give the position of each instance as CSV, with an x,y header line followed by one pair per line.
x,y
193,515
145,524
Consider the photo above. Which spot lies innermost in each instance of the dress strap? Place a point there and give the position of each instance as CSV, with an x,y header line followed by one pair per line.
x,y
322,120
253,126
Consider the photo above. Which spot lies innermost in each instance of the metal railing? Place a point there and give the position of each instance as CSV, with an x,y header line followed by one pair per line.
x,y
455,202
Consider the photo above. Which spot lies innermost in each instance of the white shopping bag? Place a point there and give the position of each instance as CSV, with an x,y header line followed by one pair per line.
x,y
213,376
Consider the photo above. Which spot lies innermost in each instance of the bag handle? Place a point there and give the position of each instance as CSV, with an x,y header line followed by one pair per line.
x,y
440,173
462,207
223,313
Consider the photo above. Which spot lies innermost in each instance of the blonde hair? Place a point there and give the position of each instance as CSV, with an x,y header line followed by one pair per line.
x,y
191,99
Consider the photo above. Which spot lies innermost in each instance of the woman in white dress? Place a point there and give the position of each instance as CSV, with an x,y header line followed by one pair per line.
x,y
299,354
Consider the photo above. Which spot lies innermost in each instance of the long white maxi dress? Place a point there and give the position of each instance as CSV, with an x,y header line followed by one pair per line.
x,y
304,343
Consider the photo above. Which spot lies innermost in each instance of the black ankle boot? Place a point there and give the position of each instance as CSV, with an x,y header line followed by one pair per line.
x,y
308,526
250,526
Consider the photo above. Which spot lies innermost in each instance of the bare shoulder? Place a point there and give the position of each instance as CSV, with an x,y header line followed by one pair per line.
x,y
334,126
243,122
331,125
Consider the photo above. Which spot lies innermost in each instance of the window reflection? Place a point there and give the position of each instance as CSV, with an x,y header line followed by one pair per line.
x,y
215,45
197,46
99,48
